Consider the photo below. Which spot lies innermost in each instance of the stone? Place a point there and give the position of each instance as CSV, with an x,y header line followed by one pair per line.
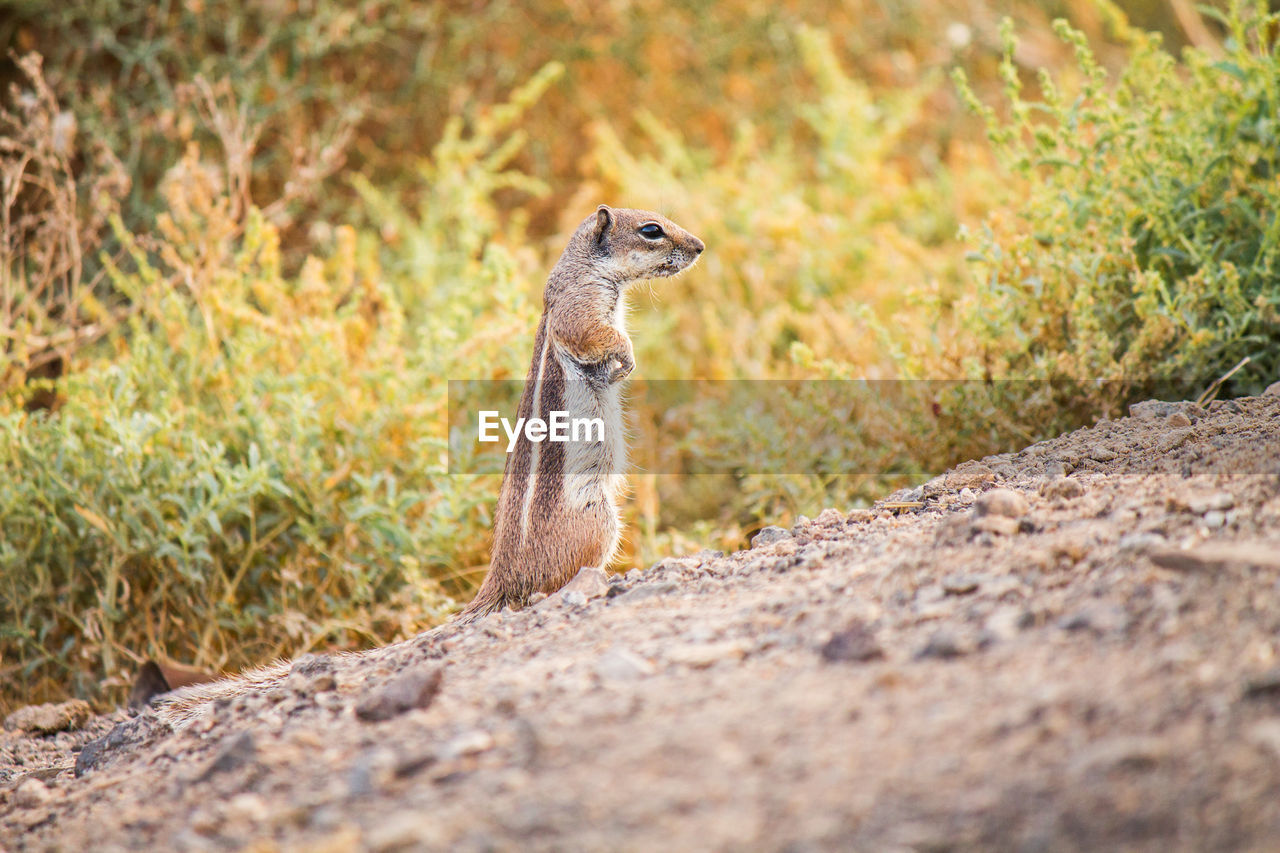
x,y
413,689
1099,453
1153,409
677,565
572,598
1272,390
1121,753
1054,470
1065,488
830,518
768,536
369,772
934,487
1098,618
960,584
1174,439
650,590
31,794
1004,623
703,655
930,593
591,582
1177,419
90,756
619,664
971,476
1140,542
1001,502
860,516
125,734
996,524
944,644
50,718
1208,503
235,752
403,832
1265,685
468,743
1216,555
856,643
1266,734
311,674
246,808
953,530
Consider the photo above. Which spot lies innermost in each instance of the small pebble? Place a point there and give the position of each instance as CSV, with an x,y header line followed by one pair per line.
x,y
415,688
972,476
830,518
1263,686
1208,503
1065,488
50,718
943,645
768,536
1099,618
590,582
468,743
856,643
960,584
31,793
1002,502
235,752
997,524
701,656
618,664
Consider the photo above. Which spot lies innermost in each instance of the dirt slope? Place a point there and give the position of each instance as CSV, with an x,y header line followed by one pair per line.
x,y
1071,647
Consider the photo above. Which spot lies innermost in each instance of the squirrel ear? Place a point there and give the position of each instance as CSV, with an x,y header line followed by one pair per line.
x,y
604,221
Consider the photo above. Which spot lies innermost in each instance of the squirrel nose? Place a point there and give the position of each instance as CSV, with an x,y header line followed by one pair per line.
x,y
698,246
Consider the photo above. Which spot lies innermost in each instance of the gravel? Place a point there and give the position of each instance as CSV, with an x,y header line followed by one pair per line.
x,y
1015,664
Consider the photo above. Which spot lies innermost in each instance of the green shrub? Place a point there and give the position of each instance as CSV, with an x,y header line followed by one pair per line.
x,y
1146,248
254,464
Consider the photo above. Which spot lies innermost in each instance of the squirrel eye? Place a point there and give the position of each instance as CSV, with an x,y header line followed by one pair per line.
x,y
651,231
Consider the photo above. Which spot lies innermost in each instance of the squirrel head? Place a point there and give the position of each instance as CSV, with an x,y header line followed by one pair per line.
x,y
635,245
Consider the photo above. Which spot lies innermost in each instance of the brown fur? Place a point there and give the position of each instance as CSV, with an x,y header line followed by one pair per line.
x,y
544,533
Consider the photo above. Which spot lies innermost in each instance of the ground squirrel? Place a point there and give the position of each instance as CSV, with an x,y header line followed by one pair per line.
x,y
557,508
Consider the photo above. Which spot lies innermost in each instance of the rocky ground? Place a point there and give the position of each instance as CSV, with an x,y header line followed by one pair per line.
x,y
1070,647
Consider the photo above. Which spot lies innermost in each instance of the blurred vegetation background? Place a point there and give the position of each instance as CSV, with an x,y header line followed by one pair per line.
x,y
245,245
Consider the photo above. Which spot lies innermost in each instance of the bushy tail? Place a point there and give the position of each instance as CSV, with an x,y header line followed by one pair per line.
x,y
188,704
